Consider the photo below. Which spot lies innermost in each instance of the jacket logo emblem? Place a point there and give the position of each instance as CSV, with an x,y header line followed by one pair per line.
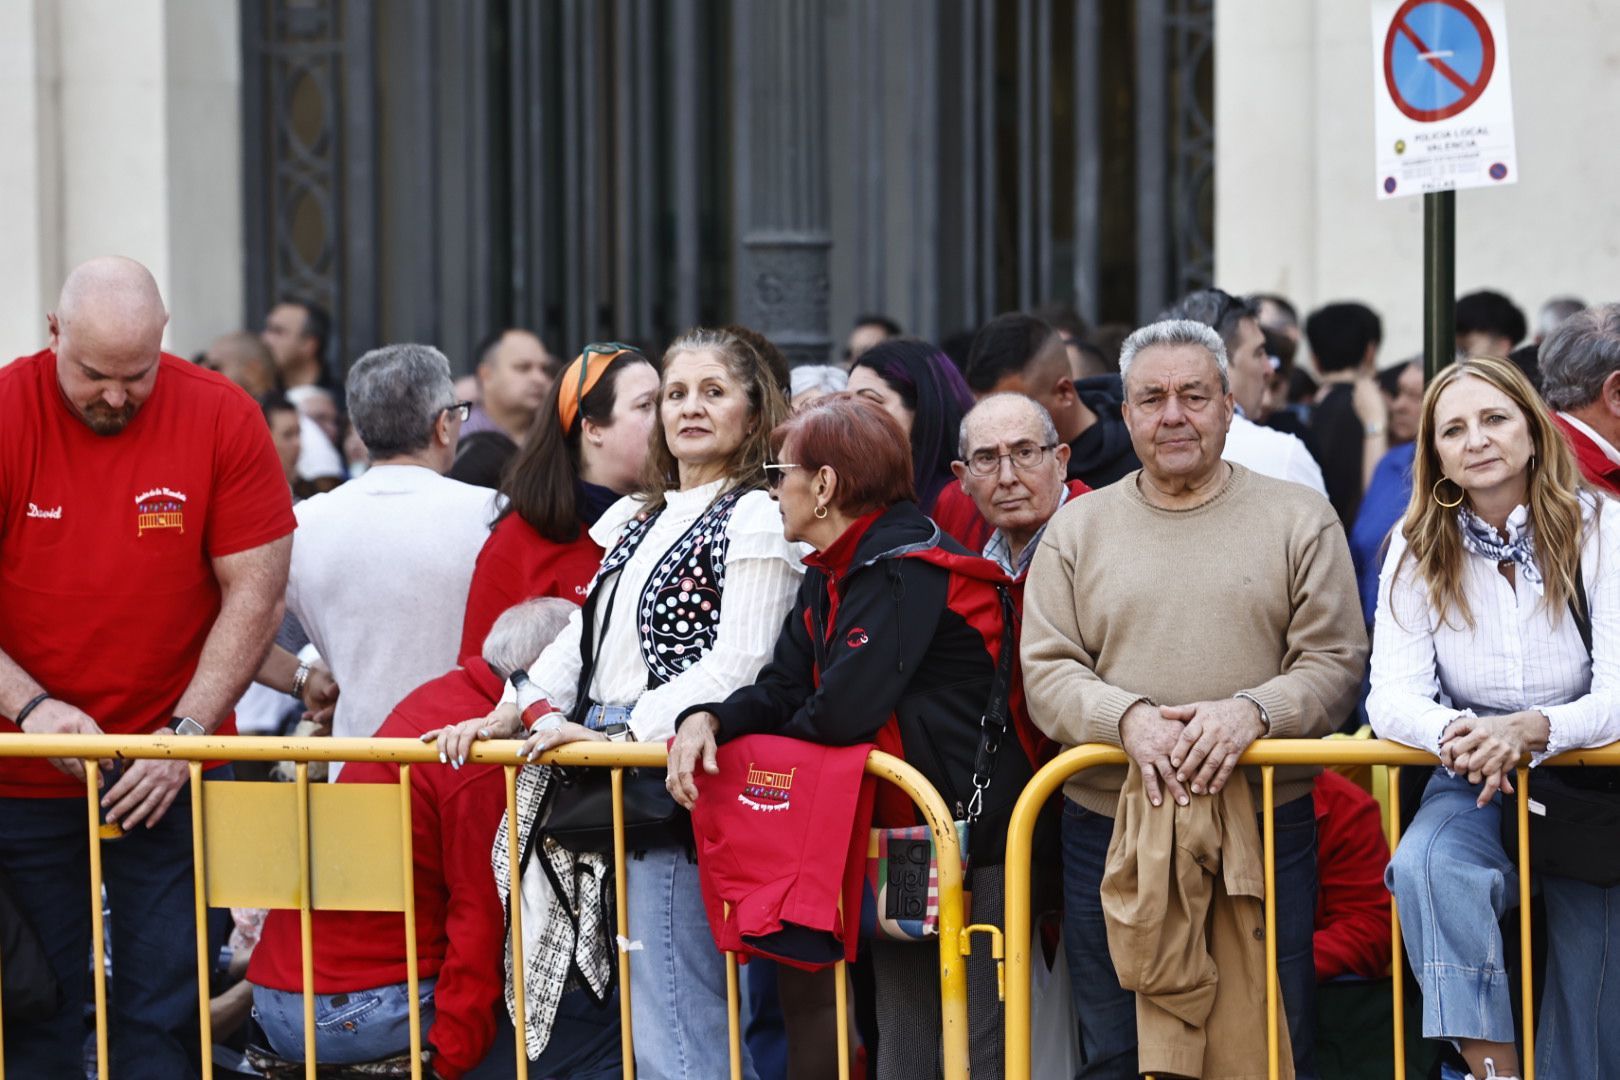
x,y
766,791
54,513
160,508
856,638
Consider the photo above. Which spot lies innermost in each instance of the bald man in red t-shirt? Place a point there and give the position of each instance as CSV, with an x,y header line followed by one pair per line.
x,y
145,530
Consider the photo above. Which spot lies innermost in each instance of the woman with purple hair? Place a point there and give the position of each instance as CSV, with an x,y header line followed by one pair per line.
x,y
918,385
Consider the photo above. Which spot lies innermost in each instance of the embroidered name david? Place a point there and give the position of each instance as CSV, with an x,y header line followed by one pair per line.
x,y
767,791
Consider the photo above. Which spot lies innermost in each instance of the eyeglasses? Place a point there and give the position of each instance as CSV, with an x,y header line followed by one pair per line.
x,y
775,472
1023,456
462,409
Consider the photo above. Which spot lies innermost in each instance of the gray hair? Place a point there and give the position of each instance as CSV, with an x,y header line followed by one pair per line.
x,y
1170,332
522,633
1049,434
1579,355
396,394
822,377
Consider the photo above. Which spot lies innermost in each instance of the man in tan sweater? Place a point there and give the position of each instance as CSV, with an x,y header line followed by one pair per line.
x,y
1182,613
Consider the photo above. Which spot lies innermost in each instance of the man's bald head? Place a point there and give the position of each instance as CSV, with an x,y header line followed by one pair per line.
x,y
107,332
244,359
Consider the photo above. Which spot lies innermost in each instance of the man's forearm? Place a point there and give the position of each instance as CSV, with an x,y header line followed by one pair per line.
x,y
233,652
17,687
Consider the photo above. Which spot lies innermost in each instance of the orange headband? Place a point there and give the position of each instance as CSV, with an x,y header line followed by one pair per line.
x,y
581,377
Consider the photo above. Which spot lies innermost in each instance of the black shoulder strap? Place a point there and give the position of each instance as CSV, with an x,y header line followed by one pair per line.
x,y
993,725
1580,611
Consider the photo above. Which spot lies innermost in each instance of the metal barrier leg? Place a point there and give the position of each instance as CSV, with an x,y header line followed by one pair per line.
x,y
412,975
306,930
841,992
1526,988
1397,969
199,878
621,916
514,893
1268,810
733,1016
98,939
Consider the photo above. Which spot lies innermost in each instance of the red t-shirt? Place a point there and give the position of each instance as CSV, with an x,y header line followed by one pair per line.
x,y
518,564
106,542
460,924
1352,906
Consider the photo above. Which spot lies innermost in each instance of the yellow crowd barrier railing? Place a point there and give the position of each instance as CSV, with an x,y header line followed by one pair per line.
x,y
1266,754
264,845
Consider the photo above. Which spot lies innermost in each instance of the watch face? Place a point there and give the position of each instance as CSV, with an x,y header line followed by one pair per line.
x,y
185,725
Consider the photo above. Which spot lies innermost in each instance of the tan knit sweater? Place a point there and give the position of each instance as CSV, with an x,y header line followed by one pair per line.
x,y
1252,591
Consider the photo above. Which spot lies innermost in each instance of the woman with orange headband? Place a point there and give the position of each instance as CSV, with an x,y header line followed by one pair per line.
x,y
686,608
586,451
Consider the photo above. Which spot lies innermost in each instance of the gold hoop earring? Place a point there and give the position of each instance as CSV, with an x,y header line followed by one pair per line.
x,y
821,513
1435,492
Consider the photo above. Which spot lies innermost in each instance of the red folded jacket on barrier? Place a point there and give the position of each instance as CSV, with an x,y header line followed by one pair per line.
x,y
781,835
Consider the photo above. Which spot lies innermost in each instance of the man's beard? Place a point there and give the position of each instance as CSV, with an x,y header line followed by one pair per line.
x,y
103,419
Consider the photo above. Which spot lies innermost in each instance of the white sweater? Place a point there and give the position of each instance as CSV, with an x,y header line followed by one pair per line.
x,y
762,578
380,570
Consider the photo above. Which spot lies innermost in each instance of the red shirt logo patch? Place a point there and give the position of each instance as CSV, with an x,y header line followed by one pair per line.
x,y
767,791
160,508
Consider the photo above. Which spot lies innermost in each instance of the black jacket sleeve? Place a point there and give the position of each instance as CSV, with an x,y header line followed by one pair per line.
x,y
885,625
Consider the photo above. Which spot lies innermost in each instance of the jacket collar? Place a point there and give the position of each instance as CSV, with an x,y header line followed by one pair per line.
x,y
836,559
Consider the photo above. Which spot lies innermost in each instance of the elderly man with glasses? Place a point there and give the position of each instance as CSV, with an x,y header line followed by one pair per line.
x,y
381,566
1012,467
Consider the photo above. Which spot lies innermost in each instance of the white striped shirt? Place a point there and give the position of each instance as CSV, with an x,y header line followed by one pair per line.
x,y
1517,655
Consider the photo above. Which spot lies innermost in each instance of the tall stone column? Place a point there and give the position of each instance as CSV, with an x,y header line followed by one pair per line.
x,y
780,152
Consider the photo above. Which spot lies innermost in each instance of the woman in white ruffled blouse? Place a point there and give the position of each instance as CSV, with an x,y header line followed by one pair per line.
x,y
696,581
1479,657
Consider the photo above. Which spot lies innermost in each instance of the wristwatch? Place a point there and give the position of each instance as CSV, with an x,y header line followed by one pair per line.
x,y
185,725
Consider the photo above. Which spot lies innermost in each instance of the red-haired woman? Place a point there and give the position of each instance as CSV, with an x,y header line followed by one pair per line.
x,y
896,640
586,450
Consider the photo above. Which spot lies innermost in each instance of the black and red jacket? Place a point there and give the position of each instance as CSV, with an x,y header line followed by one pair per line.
x,y
894,641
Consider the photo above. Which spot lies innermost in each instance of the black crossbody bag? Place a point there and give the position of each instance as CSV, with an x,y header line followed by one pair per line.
x,y
1574,810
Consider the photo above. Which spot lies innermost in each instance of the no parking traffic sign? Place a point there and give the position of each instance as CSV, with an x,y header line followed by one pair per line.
x,y
1443,103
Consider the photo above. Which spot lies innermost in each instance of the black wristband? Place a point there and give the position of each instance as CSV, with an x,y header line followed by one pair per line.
x,y
22,713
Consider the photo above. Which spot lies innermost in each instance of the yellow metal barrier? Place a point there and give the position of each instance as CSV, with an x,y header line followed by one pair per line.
x,y
1267,755
319,880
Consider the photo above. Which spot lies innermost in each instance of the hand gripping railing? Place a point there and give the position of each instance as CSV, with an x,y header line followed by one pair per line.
x,y
303,893
1267,755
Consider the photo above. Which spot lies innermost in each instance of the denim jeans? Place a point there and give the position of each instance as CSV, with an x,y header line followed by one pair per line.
x,y
678,976
584,1044
1453,882
361,1025
1107,1012
44,850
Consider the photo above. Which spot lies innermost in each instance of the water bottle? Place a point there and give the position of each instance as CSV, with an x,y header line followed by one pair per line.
x,y
536,711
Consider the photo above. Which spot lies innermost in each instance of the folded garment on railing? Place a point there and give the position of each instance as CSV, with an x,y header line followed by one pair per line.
x,y
1183,898
781,840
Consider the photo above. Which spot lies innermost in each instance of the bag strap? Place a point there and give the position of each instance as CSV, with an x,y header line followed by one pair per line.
x,y
1580,611
590,636
993,724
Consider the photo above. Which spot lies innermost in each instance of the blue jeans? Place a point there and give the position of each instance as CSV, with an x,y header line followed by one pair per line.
x,y
1453,882
1107,1012
678,976
361,1025
44,850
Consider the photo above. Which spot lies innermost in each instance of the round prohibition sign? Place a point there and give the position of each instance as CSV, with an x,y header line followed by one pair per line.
x,y
1439,63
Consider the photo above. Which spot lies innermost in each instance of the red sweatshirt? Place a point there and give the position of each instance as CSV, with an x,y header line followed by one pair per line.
x,y
460,925
781,833
1352,906
518,564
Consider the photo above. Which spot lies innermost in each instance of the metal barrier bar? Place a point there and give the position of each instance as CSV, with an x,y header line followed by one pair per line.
x,y
199,881
412,975
514,894
98,940
953,943
1268,811
621,921
1396,972
1268,753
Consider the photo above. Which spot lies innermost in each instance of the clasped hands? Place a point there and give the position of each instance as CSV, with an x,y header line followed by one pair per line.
x,y
456,740
1188,747
1487,749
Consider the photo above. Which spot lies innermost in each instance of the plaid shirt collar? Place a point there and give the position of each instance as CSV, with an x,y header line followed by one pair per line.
x,y
998,551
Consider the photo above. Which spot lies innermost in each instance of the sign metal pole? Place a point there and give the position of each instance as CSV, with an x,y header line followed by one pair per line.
x,y
1439,281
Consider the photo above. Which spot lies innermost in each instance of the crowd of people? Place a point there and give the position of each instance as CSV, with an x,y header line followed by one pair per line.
x,y
1178,539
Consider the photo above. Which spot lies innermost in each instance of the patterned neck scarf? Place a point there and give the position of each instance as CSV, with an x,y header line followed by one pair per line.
x,y
1519,548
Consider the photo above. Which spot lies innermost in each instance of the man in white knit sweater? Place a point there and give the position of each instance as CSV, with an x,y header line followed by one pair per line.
x,y
381,565
1182,613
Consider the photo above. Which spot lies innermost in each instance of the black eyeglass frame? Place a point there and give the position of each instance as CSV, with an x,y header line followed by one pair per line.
x,y
1041,450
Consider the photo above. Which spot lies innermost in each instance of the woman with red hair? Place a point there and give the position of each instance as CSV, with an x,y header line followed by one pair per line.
x,y
900,638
